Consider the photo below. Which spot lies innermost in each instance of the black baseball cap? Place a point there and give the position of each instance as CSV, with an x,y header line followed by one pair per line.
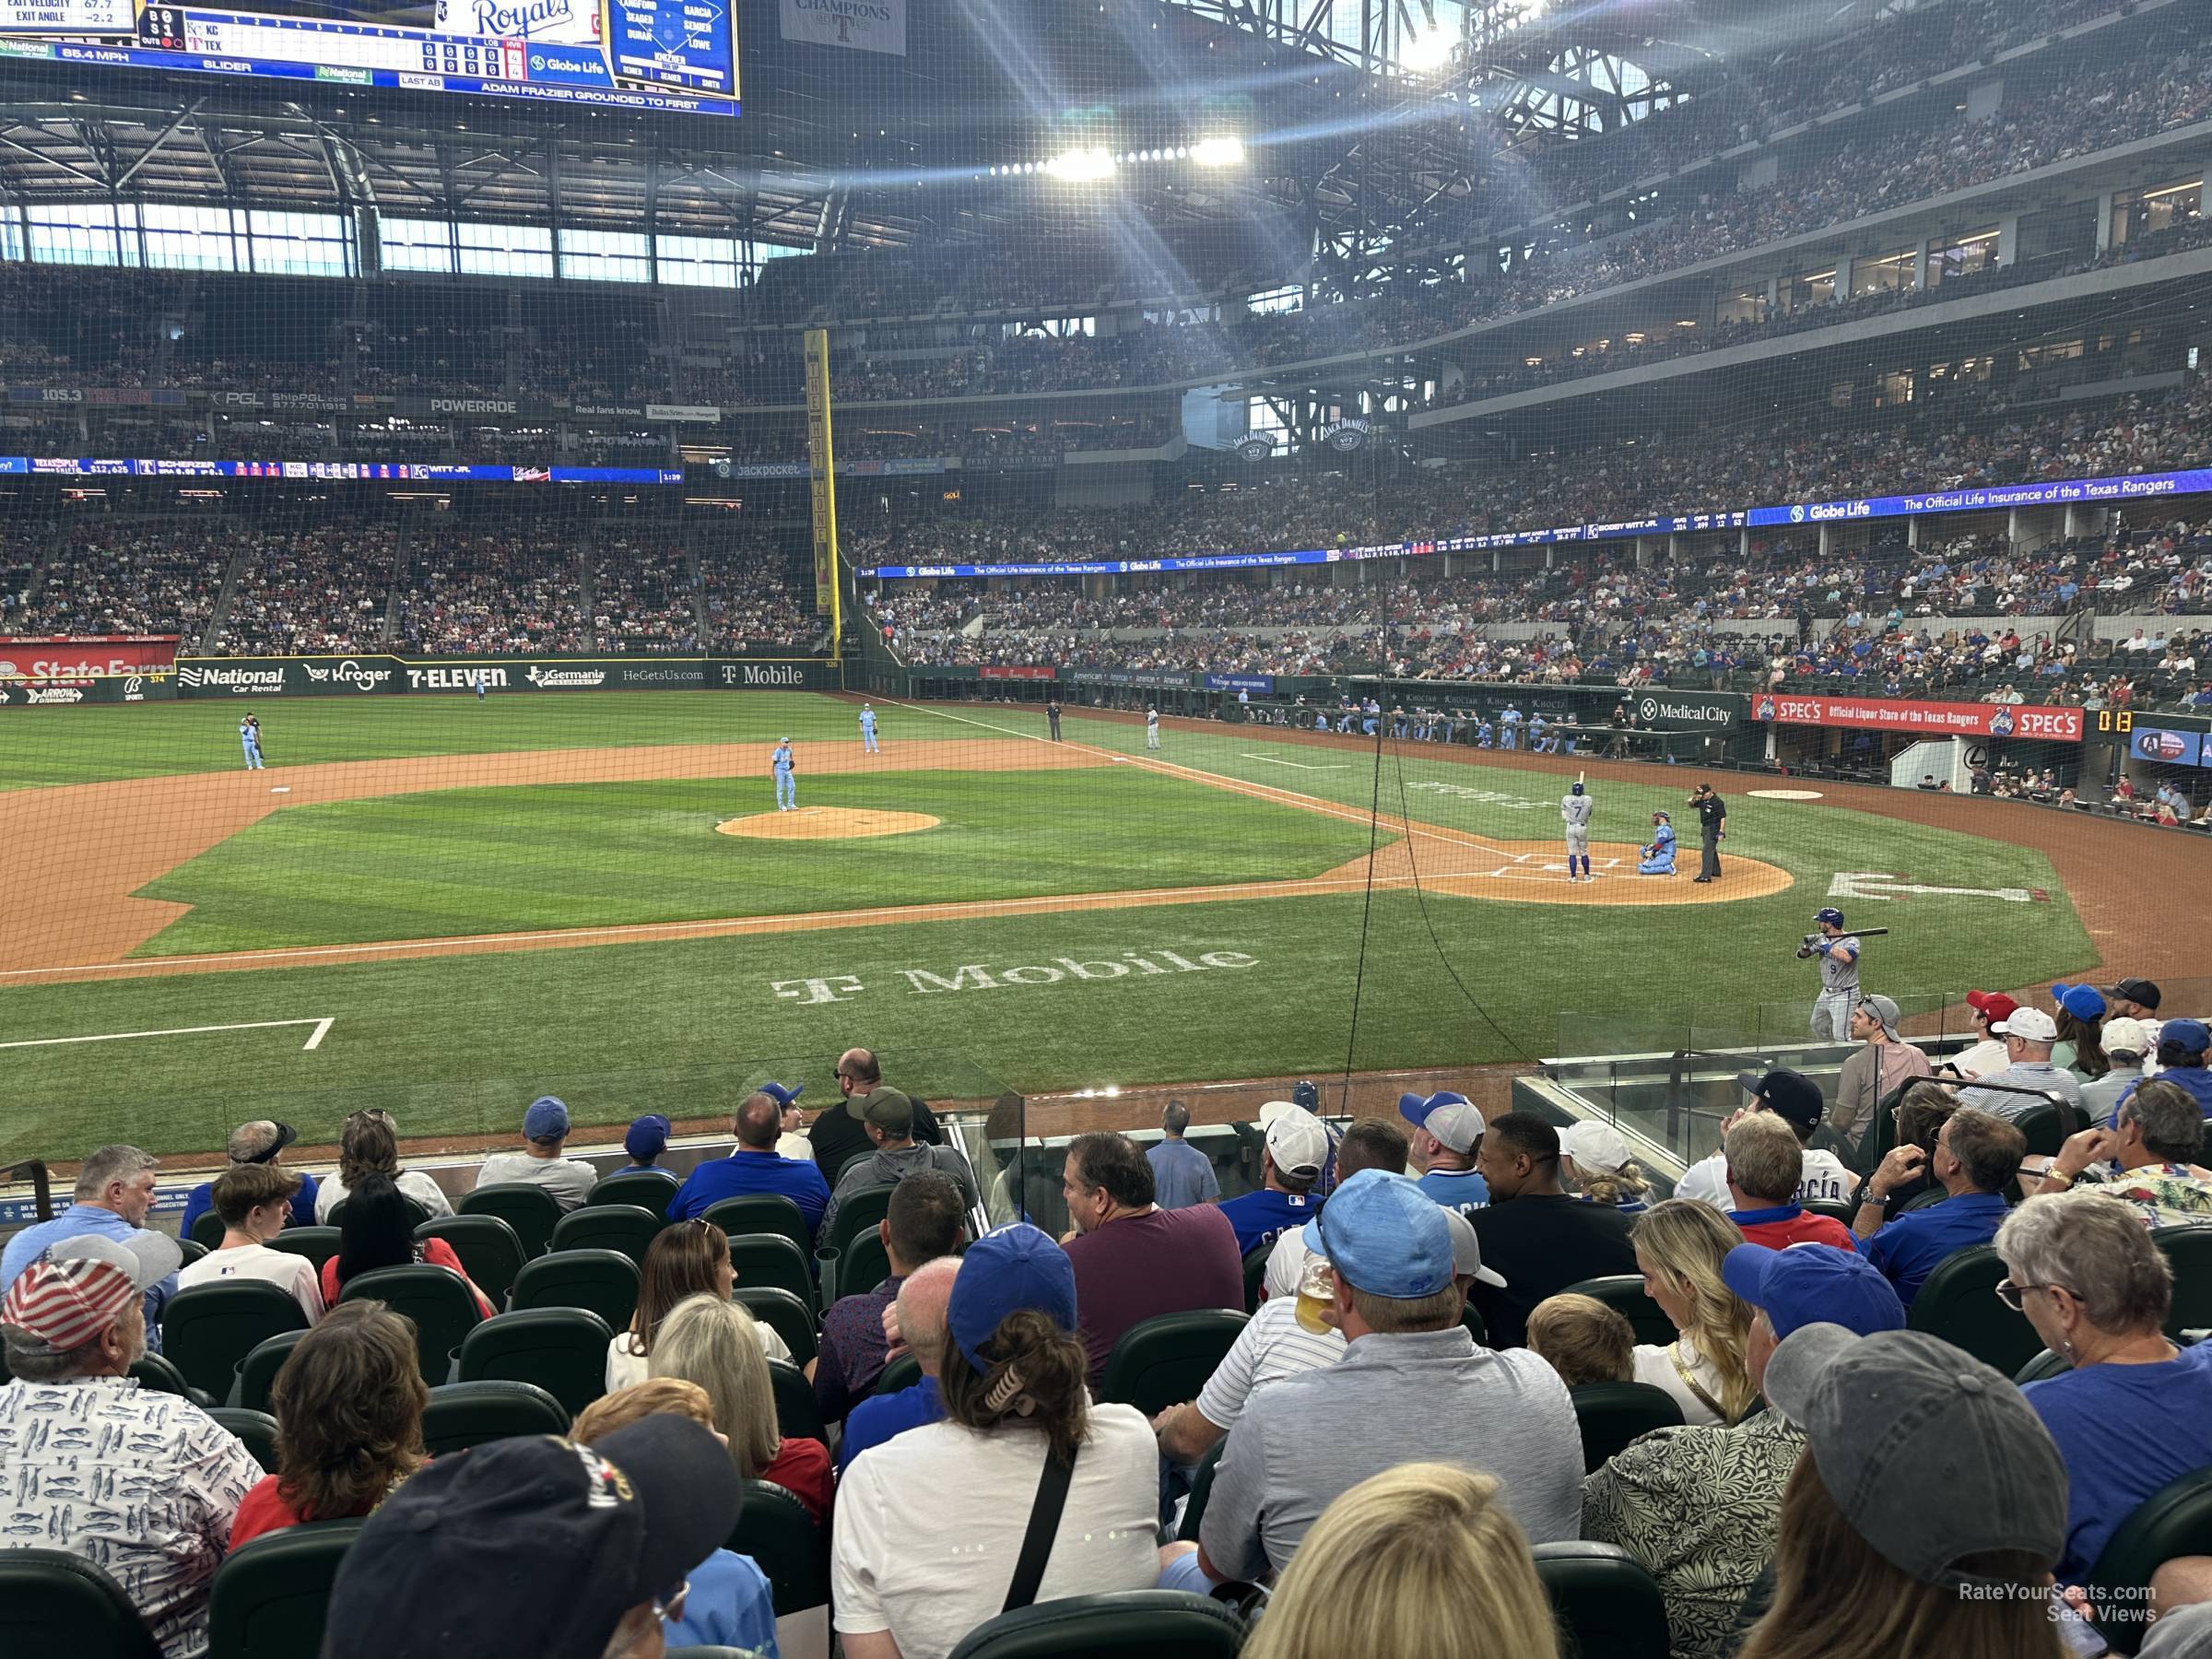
x,y
1791,1094
533,1545
2135,991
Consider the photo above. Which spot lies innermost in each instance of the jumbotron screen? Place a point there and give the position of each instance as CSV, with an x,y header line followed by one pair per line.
x,y
641,54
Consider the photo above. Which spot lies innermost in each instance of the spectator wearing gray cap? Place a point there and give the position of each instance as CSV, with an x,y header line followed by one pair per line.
x,y
2150,1157
2135,1411
888,1116
1926,1514
1697,1505
1447,1128
260,1142
2028,1034
539,1163
1881,1063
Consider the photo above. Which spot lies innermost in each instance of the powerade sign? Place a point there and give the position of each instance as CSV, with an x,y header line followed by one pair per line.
x,y
1262,683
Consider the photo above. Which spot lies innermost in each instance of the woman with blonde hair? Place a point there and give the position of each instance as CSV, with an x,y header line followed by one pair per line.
x,y
686,1258
1422,1560
1595,1157
368,1145
1679,1246
715,1344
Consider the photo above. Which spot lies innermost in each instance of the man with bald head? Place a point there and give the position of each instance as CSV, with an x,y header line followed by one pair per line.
x,y
755,1166
256,1143
838,1136
915,1325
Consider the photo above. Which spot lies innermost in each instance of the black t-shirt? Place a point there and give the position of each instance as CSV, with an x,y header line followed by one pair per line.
x,y
1541,1246
837,1135
1711,811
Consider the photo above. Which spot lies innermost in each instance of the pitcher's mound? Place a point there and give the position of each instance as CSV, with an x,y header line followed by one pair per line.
x,y
825,823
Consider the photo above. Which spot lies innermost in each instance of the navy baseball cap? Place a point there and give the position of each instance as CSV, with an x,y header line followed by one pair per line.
x,y
1007,1269
648,1136
2191,1035
1384,1236
1812,1283
782,1095
1792,1094
460,1557
1304,1094
547,1118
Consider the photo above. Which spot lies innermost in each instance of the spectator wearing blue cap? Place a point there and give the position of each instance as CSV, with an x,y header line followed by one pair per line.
x,y
539,1163
930,1525
2181,1050
1698,1506
755,1166
2080,1045
1447,1129
646,1140
1370,1144
1411,1367
1534,1231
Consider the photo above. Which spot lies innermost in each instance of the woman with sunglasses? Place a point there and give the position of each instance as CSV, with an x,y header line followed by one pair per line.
x,y
689,1258
2135,1411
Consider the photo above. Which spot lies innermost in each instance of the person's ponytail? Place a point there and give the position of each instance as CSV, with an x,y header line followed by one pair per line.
x,y
1035,1373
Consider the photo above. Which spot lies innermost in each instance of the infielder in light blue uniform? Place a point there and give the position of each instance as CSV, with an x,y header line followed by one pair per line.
x,y
868,745
1575,807
1838,954
787,788
249,738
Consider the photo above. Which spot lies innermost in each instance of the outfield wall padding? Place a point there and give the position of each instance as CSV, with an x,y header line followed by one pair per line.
x,y
370,673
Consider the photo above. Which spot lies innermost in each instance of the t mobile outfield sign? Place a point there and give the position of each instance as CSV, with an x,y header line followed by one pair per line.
x,y
977,976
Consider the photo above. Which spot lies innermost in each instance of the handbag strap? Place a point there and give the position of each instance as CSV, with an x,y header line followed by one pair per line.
x,y
1044,1523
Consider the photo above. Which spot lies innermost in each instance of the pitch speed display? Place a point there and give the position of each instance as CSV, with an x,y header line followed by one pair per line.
x,y
644,54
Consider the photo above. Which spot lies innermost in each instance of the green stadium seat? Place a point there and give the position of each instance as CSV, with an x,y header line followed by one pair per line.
x,y
271,1596
1610,1414
1255,1275
192,1250
605,1281
1623,1292
444,1310
783,1313
648,1189
1202,1487
207,1229
52,1602
461,1414
2046,1127
1845,1213
1958,1303
1471,1317
776,1531
207,1329
764,1213
2188,1253
1128,1624
1163,1360
1920,1201
317,1245
1606,1602
629,1227
526,1207
152,1371
2045,1364
491,1254
864,1264
765,1259
798,1413
2176,1520
859,1214
256,1430
417,1213
563,1350
257,1372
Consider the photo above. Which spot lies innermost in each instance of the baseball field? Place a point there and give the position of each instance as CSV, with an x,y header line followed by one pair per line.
x,y
446,907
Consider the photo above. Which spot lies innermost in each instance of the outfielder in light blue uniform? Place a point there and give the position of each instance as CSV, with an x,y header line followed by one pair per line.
x,y
868,745
1838,954
1575,807
787,788
249,738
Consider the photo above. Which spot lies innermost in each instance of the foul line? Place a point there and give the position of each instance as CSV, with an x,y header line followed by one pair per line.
x,y
1302,765
314,1039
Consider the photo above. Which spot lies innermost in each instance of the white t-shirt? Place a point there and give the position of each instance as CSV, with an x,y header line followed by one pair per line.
x,y
569,1179
1272,1345
1984,1057
1827,1179
1655,1365
1285,1264
929,1527
625,1365
294,1273
330,1191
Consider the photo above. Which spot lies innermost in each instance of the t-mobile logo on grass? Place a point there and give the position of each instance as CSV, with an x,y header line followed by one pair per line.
x,y
977,976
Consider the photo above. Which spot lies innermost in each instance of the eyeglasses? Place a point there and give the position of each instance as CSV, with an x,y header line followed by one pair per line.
x,y
2010,1294
666,1605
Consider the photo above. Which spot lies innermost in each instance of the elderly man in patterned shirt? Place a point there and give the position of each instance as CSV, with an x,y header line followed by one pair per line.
x,y
143,1485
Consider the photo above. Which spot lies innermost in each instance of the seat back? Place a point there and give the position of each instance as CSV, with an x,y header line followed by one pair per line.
x,y
192,1250
2045,1364
1137,1624
256,1430
1202,1489
859,1214
151,1370
317,1245
629,1227
1623,1292
798,1413
764,1213
271,1596
461,1414
1835,1212
2046,1127
784,1542
523,1205
1958,1303
257,1372
772,1259
864,1264
605,1281
783,1313
901,1373
206,1229
492,1253
1606,1602
440,1304
2189,1253
563,1350
2176,1520
1165,1359
53,1601
1610,1414
207,1329
1255,1275
648,1189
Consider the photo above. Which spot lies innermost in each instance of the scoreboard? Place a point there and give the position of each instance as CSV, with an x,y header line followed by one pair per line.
x,y
646,54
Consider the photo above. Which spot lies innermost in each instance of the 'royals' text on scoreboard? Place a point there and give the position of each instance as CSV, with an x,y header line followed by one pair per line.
x,y
645,54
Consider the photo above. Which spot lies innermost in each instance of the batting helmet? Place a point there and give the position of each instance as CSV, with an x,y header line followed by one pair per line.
x,y
1577,788
1829,916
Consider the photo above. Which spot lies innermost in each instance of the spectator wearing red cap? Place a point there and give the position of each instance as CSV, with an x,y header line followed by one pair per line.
x,y
1990,1009
143,1485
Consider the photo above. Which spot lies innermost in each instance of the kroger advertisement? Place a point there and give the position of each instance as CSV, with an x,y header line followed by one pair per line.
x,y
642,54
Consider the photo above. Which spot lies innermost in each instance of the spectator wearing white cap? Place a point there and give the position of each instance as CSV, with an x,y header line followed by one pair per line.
x,y
143,1485
1594,1156
1447,1131
1883,1061
1370,1144
1296,1148
2127,1041
544,1133
2028,1034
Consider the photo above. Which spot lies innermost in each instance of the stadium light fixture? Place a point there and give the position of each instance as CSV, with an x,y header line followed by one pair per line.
x,y
1218,152
1081,166
1429,49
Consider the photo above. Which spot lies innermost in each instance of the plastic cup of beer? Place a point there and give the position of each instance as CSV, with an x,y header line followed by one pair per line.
x,y
1316,1295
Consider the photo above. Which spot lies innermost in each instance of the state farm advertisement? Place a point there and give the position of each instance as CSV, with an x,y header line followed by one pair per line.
x,y
1923,719
86,657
